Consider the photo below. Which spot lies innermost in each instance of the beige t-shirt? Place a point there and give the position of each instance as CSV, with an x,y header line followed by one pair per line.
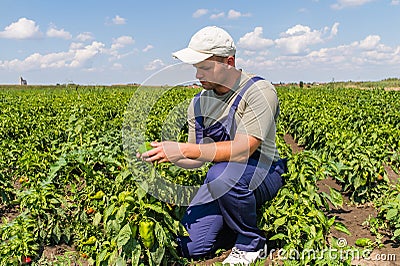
x,y
256,114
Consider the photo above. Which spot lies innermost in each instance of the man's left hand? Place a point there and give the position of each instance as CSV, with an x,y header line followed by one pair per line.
x,y
166,151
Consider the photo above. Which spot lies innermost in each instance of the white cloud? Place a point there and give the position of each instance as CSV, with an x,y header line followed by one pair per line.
x,y
335,29
116,66
340,4
200,12
233,14
297,39
77,56
22,29
356,54
370,42
117,45
334,55
75,45
395,2
121,42
344,62
118,20
249,53
217,16
256,64
82,56
148,48
154,65
55,33
85,36
297,30
254,40
292,42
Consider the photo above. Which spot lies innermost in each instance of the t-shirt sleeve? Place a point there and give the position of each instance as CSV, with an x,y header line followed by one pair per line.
x,y
259,107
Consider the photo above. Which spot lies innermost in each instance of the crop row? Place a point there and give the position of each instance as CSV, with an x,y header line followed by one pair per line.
x,y
358,129
68,167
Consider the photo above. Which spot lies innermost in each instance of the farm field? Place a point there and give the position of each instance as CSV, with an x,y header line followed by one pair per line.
x,y
71,192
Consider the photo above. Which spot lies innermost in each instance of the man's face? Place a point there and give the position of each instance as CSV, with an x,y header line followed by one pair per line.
x,y
211,73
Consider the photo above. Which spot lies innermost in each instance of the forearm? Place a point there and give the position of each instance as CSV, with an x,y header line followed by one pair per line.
x,y
191,155
217,152
189,163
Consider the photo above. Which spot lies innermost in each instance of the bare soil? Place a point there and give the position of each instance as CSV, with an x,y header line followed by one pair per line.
x,y
354,217
292,143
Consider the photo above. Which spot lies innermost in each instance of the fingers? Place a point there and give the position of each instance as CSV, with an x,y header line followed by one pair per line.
x,y
154,155
155,144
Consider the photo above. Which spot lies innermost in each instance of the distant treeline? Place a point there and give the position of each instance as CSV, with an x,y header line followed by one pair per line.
x,y
385,83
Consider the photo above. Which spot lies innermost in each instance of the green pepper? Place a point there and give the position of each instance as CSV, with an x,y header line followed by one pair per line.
x,y
134,228
145,147
90,241
123,195
363,242
146,232
99,195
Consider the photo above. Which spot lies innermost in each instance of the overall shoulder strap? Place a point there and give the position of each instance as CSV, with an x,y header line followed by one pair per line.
x,y
230,121
197,110
248,84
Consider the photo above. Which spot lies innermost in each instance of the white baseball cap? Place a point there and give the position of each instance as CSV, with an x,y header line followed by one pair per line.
x,y
205,43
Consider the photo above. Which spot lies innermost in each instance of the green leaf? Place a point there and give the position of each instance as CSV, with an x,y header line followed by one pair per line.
x,y
108,212
278,236
278,222
302,179
357,182
331,221
78,129
180,229
136,252
336,198
113,257
102,256
158,254
120,261
57,166
158,209
342,228
120,216
124,235
113,226
396,233
391,213
97,219
140,192
309,244
57,233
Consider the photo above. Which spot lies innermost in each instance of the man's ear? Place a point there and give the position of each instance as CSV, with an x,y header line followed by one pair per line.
x,y
231,61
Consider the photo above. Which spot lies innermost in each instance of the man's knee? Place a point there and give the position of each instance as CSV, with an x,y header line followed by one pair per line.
x,y
215,171
193,249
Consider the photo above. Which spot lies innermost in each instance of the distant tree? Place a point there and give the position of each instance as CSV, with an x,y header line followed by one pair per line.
x,y
301,84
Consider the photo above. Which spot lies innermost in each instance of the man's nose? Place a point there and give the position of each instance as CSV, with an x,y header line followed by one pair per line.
x,y
199,75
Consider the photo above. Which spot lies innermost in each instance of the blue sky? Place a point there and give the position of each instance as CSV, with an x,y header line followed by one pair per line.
x,y
119,42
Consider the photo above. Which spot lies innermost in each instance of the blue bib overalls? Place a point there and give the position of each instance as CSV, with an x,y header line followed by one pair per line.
x,y
229,218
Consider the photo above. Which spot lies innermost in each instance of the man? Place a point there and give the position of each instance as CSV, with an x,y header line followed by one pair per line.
x,y
231,124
